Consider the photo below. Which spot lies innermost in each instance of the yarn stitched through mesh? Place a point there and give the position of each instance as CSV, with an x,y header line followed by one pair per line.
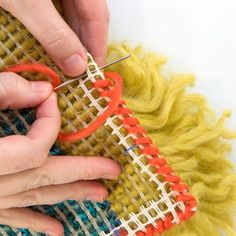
x,y
142,195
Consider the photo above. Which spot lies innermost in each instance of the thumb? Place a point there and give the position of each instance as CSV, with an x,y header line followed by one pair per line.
x,y
16,92
45,23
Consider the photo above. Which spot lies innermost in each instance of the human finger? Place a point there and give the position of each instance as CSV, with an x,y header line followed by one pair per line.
x,y
59,170
35,221
93,28
19,152
45,23
49,195
16,92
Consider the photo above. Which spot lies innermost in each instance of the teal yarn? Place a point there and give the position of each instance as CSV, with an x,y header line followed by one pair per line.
x,y
50,210
28,115
87,212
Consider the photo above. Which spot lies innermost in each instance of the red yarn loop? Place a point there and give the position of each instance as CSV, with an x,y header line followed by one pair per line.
x,y
38,68
112,107
114,94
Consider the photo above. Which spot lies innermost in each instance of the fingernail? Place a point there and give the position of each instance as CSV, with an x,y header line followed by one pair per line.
x,y
41,86
74,64
110,177
51,234
96,198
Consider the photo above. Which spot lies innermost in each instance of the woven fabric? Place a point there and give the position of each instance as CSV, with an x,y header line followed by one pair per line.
x,y
148,197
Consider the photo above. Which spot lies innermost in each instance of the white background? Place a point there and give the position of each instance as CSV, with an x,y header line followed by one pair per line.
x,y
196,36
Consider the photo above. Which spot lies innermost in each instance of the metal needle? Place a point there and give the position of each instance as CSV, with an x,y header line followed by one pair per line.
x,y
85,75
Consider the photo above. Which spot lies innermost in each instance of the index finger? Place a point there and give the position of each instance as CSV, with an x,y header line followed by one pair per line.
x,y
20,152
94,22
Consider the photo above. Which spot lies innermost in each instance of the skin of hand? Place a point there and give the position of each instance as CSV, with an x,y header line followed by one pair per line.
x,y
28,176
85,25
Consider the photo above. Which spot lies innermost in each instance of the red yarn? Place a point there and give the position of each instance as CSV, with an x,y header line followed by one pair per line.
x,y
39,68
115,96
132,125
112,106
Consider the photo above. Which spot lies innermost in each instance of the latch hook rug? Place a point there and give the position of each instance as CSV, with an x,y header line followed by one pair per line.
x,y
192,140
188,133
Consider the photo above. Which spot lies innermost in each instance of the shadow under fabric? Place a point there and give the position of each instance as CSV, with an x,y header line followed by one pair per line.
x,y
181,124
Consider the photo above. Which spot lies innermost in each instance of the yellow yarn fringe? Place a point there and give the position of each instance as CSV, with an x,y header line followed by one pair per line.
x,y
186,131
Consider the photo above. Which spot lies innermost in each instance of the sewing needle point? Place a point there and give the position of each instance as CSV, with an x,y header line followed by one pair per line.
x,y
84,75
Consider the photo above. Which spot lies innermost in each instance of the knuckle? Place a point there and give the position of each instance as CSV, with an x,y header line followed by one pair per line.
x,y
38,180
104,17
15,6
56,38
7,5
2,206
29,198
104,14
87,174
5,217
74,191
5,85
9,85
38,159
107,17
34,223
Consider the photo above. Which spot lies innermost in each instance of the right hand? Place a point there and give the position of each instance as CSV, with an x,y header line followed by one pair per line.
x,y
28,176
87,25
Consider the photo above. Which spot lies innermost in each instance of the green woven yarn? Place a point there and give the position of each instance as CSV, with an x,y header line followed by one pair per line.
x,y
187,132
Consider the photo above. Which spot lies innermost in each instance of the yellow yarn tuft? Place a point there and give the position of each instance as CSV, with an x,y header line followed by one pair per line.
x,y
187,132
